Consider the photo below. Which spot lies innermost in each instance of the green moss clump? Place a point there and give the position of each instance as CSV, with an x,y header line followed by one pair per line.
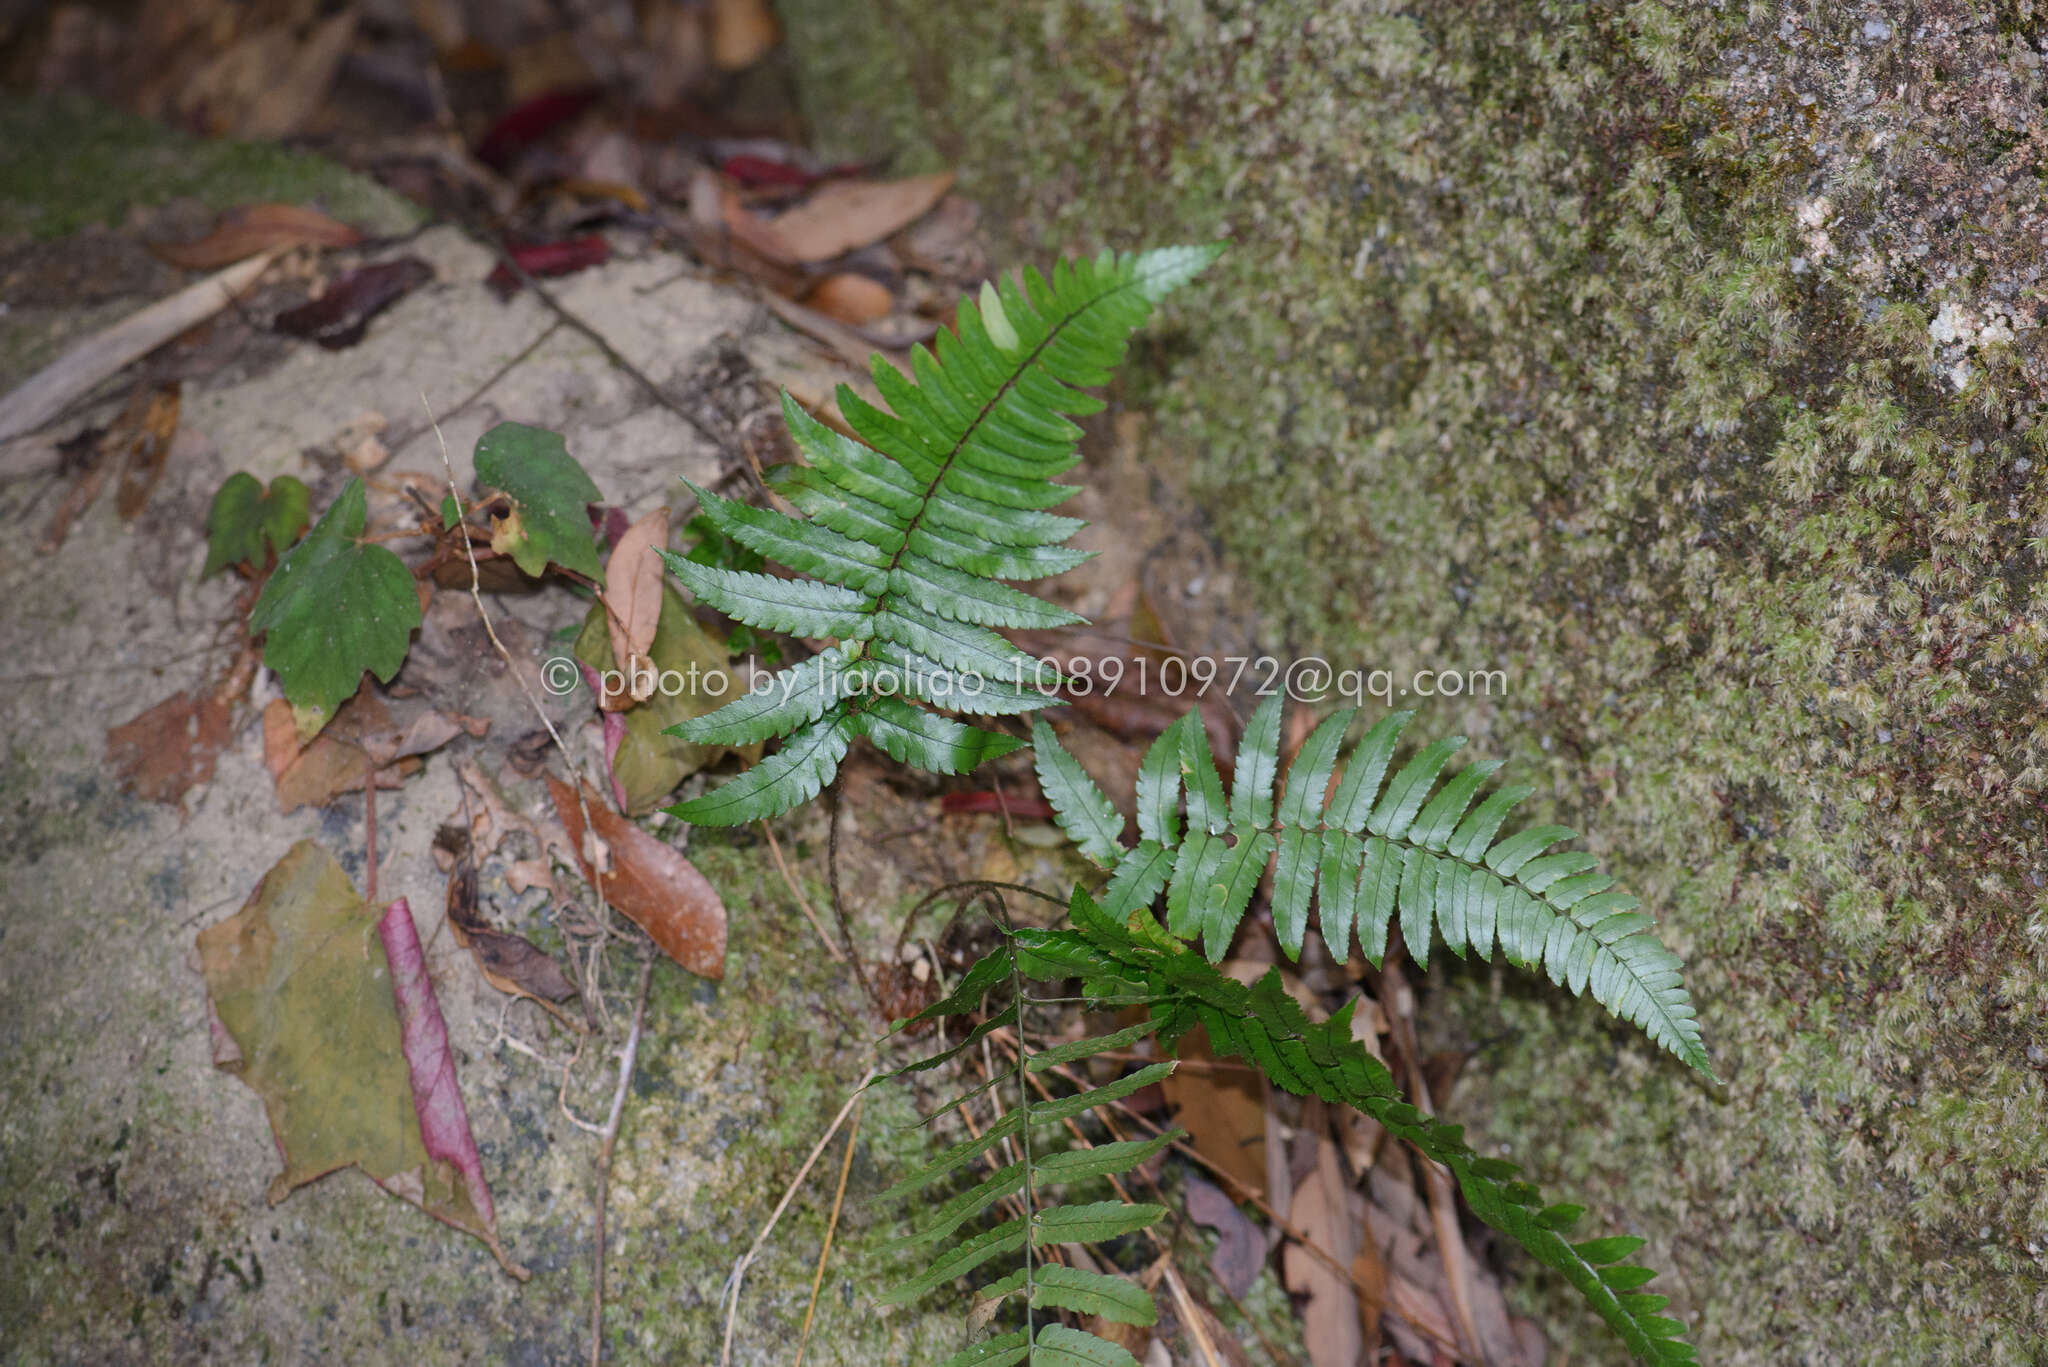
x,y
67,163
1686,366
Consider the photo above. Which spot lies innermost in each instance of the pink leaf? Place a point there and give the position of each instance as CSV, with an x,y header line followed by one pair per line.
x,y
423,1037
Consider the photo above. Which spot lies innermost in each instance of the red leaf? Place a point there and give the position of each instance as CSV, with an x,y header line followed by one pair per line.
x,y
527,123
170,748
1029,808
549,258
423,1037
339,317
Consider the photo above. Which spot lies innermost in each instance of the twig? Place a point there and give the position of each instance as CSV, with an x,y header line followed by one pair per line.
x,y
1190,1316
831,1228
860,970
731,1294
627,1059
801,900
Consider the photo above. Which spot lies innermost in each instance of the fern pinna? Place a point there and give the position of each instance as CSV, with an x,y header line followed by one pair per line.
x,y
1024,1167
910,531
1373,848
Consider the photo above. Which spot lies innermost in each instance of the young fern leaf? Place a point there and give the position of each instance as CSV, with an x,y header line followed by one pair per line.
x,y
1265,1026
1021,1170
1373,849
909,530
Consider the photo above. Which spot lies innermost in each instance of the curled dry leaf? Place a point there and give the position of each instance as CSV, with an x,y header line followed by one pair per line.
x,y
326,1011
656,887
243,232
632,603
338,318
851,298
362,736
847,214
171,748
148,443
510,963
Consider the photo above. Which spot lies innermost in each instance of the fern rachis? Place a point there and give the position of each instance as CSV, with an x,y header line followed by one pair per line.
x,y
909,530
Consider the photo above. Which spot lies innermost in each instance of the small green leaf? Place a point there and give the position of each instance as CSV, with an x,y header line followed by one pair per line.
x,y
247,523
551,497
451,513
334,608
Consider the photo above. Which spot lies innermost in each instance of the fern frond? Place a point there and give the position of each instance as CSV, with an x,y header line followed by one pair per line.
x,y
911,527
1264,1025
1015,1145
1372,849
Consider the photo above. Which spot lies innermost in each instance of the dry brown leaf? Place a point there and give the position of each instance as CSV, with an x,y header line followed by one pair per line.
x,y
297,90
1368,1276
846,214
363,736
656,887
742,32
633,606
148,446
851,298
1222,1111
1331,1329
752,231
243,232
171,748
280,738
513,965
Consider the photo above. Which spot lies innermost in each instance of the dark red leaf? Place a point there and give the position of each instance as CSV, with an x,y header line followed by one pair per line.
x,y
338,318
549,258
1028,808
527,123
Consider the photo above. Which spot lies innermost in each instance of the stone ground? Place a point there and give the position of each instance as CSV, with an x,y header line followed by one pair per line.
x,y
133,1225
1686,363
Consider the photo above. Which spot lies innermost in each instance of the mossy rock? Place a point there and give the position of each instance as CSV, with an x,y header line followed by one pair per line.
x,y
1685,365
68,163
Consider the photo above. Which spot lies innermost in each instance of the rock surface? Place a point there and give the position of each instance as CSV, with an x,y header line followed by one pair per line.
x,y
133,1225
1686,364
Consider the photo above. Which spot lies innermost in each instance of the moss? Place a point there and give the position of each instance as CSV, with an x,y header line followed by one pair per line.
x,y
1639,352
68,164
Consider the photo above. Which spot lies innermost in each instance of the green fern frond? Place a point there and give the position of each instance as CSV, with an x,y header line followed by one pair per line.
x,y
909,530
1370,850
1265,1026
1023,1171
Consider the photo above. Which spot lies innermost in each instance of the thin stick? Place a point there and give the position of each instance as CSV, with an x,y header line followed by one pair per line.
x,y
627,1059
731,1294
370,829
831,1228
801,900
1190,1316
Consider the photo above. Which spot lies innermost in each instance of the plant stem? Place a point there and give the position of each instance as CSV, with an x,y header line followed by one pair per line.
x,y
627,1059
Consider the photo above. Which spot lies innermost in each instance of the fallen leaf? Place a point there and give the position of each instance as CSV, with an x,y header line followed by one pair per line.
x,y
847,214
656,887
299,87
531,120
363,736
171,748
340,316
852,298
1240,1243
148,443
1222,1111
243,232
645,761
280,738
1331,1329
632,602
996,804
760,171
510,963
326,1011
752,231
742,32
548,258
